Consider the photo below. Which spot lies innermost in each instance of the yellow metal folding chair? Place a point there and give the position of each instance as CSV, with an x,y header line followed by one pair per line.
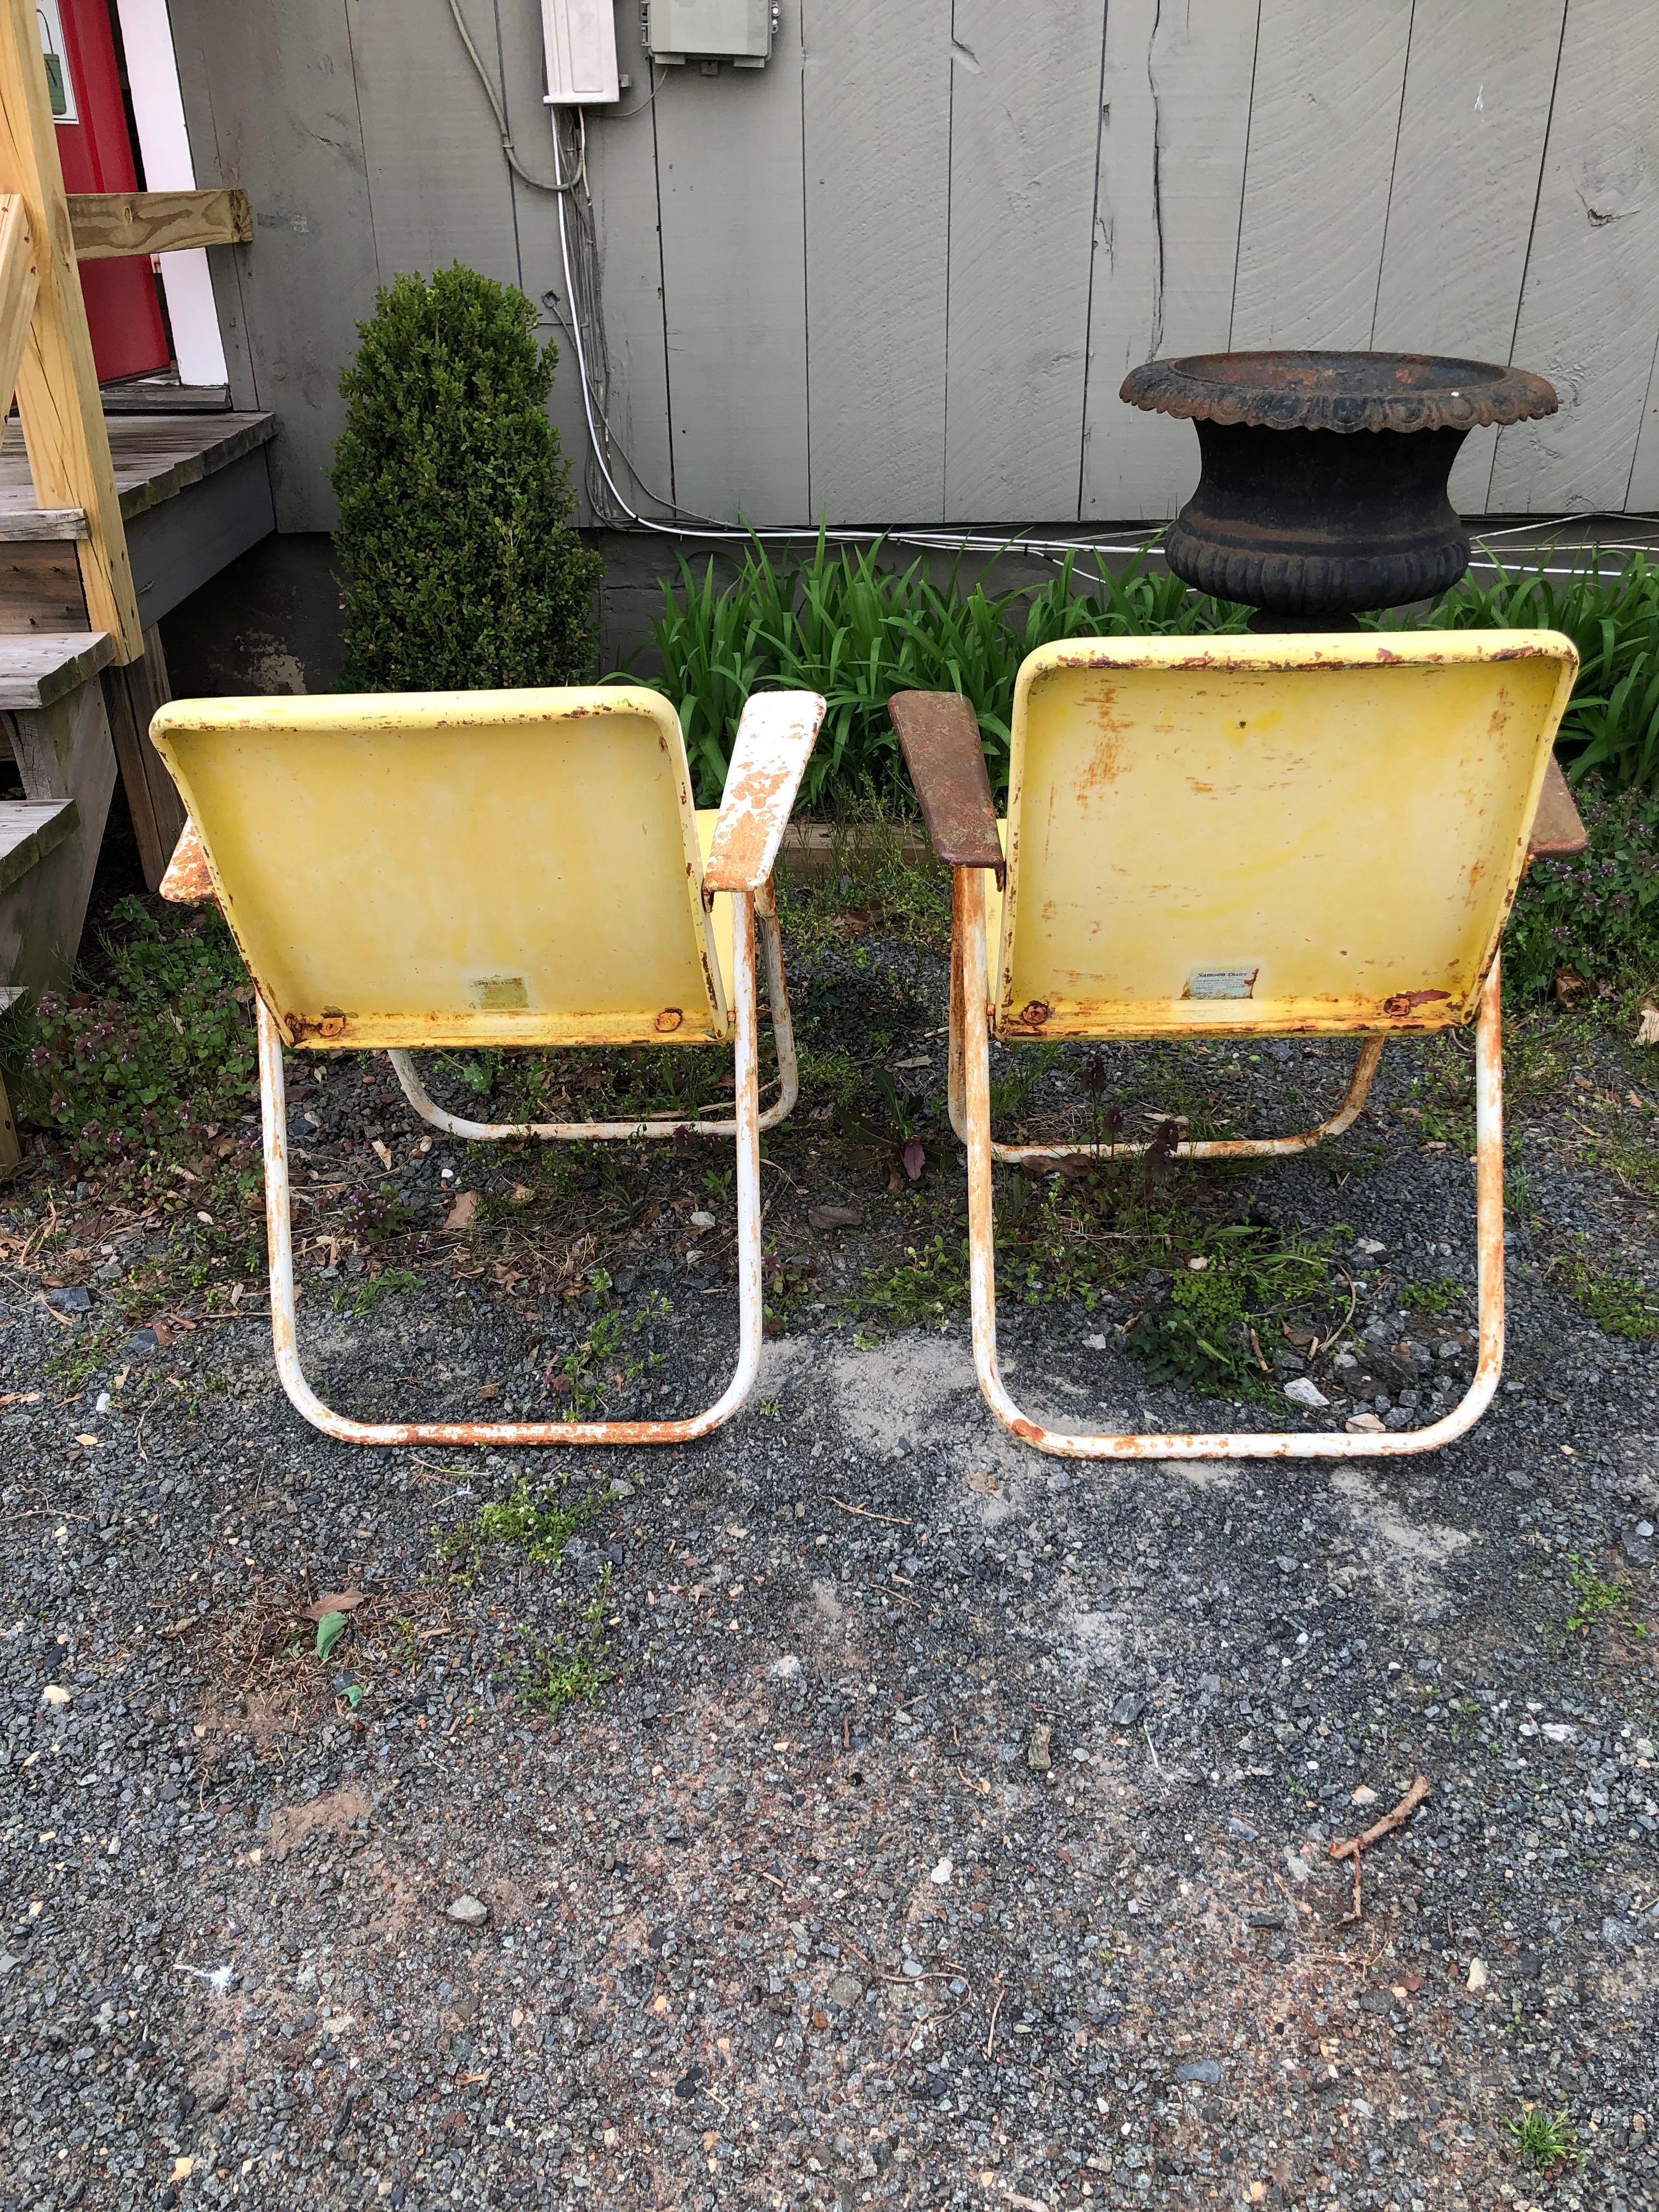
x,y
1314,835
518,868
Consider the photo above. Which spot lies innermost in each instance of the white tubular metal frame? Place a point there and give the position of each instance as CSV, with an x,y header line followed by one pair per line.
x,y
746,1127
777,997
970,988
1196,1148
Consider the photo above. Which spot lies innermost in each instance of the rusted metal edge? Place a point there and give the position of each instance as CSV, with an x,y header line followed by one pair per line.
x,y
188,880
1365,1066
774,741
939,734
1233,388
456,1125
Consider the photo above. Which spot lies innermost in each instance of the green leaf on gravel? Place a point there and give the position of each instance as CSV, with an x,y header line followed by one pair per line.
x,y
330,1629
354,1695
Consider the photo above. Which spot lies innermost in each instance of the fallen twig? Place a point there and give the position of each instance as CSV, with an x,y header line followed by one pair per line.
x,y
1346,1847
1355,1847
864,1513
991,2031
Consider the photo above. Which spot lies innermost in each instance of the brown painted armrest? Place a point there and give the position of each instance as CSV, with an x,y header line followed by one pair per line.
x,y
187,882
938,732
1557,832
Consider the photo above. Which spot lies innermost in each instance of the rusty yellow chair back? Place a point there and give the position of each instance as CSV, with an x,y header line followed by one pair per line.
x,y
1252,835
457,868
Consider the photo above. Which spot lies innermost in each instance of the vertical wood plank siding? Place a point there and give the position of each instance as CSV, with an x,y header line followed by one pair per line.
x,y
897,275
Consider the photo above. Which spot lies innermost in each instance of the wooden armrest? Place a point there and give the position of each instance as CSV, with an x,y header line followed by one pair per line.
x,y
775,739
1557,832
938,732
187,882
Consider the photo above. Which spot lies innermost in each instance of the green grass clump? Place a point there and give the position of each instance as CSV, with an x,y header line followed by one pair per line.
x,y
1544,2138
1442,1296
1620,1305
539,1527
554,1675
842,624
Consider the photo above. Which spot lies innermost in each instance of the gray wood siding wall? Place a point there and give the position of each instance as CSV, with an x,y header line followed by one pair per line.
x,y
897,275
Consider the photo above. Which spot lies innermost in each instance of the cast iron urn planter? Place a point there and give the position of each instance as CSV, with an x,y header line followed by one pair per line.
x,y
1323,475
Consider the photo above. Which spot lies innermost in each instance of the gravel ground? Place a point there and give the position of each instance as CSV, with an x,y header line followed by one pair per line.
x,y
952,1827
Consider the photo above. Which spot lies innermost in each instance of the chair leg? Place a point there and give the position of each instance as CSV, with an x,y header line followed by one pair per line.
x,y
456,1125
1312,1445
273,1105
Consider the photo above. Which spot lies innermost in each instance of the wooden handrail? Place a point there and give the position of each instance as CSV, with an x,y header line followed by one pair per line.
x,y
107,225
56,382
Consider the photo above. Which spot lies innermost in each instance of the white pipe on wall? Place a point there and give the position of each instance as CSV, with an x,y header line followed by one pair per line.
x,y
158,107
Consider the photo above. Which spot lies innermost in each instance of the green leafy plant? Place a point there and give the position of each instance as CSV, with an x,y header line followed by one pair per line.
x,y
1209,1334
554,1676
330,1629
539,1526
1619,1304
129,1074
462,572
362,1296
923,1290
1596,1599
842,623
1442,1296
1548,2140
1597,914
1611,728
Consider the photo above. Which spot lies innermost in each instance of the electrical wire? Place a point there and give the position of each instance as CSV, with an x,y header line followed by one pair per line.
x,y
583,291
500,113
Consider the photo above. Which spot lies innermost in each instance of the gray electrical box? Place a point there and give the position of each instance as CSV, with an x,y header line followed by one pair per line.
x,y
738,31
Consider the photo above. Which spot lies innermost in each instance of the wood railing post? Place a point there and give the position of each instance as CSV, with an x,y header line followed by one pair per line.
x,y
58,394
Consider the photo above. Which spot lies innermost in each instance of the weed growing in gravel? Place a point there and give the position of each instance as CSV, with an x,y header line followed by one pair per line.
x,y
1443,1296
1596,1599
1208,1336
539,1527
580,1375
73,1362
556,1674
1547,2139
366,1293
923,1291
1618,1304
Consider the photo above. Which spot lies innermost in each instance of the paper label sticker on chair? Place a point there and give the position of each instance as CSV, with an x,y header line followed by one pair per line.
x,y
1222,983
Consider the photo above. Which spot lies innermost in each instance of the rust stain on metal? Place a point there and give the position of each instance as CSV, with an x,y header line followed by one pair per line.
x,y
188,880
774,741
939,734
1407,1002
670,1018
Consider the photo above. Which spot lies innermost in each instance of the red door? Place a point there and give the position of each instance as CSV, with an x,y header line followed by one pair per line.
x,y
128,335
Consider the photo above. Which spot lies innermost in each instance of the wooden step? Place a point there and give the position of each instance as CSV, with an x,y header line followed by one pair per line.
x,y
39,667
29,829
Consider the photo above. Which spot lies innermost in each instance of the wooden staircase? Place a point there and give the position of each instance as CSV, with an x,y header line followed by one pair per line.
x,y
77,694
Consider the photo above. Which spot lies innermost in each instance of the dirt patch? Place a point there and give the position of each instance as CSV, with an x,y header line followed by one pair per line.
x,y
291,1824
